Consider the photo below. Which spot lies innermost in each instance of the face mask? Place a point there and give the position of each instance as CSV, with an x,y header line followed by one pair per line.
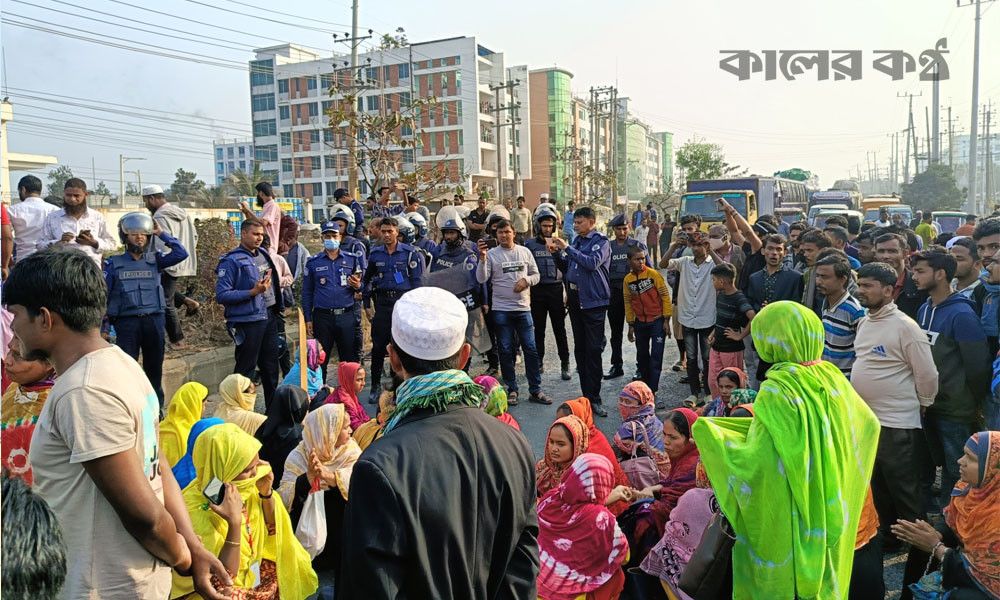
x,y
715,244
331,244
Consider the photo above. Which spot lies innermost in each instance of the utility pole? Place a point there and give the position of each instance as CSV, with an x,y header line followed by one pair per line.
x,y
122,159
909,135
930,140
988,194
352,137
951,139
515,121
499,108
936,101
972,205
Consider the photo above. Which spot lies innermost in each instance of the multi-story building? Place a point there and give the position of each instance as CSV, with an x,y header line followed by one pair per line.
x,y
232,156
642,158
666,158
462,132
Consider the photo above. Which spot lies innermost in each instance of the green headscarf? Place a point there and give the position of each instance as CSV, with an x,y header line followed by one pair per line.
x,y
793,480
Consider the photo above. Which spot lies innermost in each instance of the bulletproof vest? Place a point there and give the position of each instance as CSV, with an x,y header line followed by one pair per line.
x,y
546,264
137,288
619,268
448,257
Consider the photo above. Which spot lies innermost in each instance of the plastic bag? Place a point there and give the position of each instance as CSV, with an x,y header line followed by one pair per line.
x,y
311,530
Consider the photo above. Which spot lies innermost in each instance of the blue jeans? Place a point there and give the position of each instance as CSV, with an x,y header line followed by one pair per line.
x,y
945,444
509,323
649,340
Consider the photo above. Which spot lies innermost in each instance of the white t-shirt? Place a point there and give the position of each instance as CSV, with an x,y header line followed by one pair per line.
x,y
696,294
102,405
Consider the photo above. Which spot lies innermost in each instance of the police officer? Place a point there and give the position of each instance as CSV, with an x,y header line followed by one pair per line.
x,y
351,236
617,271
421,240
247,286
547,296
135,295
343,197
393,269
588,296
330,281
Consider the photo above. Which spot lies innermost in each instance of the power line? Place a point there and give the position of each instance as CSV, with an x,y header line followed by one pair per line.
x,y
277,12
319,29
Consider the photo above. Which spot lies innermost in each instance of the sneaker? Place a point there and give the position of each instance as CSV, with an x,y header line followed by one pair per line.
x,y
565,373
599,410
691,401
539,398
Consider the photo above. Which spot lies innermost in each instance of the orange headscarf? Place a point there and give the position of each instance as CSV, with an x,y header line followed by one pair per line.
x,y
599,445
549,473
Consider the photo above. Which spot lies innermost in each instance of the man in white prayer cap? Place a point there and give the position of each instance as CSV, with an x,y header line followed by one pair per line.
x,y
443,504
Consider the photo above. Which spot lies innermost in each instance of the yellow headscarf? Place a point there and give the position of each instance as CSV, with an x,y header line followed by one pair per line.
x,y
183,412
237,404
321,429
224,451
369,431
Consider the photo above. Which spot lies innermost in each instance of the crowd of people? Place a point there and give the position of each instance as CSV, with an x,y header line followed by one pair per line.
x,y
841,408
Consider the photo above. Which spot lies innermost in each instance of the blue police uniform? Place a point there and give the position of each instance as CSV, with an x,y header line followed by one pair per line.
x,y
428,246
359,219
136,305
617,270
472,296
388,276
252,321
328,302
547,300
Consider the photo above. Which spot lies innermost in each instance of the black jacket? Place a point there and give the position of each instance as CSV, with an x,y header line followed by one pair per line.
x,y
443,506
910,299
787,287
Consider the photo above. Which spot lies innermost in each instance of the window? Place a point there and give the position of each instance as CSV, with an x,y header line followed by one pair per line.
x,y
371,73
327,106
458,110
328,136
408,155
314,136
268,152
404,100
286,165
261,72
405,131
326,80
313,109
271,176
330,162
249,151
289,190
229,152
317,189
460,142
286,139
372,102
284,112
282,86
310,83
265,127
458,82
243,166
404,70
444,113
458,60
218,153
243,151
232,166
331,187
363,187
262,102
385,72
361,105
220,167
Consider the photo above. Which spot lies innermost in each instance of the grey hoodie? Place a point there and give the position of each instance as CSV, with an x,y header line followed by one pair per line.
x,y
175,221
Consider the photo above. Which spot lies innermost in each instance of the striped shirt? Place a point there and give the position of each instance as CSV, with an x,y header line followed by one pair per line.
x,y
840,322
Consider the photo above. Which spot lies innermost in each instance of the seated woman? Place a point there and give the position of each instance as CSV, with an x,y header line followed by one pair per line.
x,y
598,443
350,380
185,410
314,379
567,439
496,400
282,431
648,527
967,544
728,380
23,400
326,455
641,432
796,474
239,395
579,543
184,469
373,430
688,521
249,530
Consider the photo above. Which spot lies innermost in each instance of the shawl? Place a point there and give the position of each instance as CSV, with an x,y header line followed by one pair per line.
x,y
548,473
742,396
630,433
681,536
224,452
282,430
183,412
237,404
974,514
599,445
373,430
495,402
322,428
184,469
24,401
718,407
314,379
346,394
792,480
580,546
434,391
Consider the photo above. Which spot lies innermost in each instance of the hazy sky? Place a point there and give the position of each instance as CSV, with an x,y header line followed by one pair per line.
x,y
663,55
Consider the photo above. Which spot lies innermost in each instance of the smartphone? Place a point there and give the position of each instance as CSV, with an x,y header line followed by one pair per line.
x,y
491,242
400,186
215,491
718,203
84,232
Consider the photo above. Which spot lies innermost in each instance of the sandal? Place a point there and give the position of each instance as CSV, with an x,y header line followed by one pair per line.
x,y
539,398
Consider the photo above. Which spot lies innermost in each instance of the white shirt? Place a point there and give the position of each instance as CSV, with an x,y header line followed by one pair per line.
x,y
57,223
696,295
27,218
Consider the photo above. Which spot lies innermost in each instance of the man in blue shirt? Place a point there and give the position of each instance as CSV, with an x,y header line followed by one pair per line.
x,y
245,285
342,196
136,305
393,269
568,220
329,283
588,296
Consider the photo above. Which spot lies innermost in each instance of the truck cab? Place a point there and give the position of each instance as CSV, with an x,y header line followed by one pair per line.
x,y
703,204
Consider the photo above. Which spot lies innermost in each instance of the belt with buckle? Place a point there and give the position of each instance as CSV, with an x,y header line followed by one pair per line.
x,y
334,311
389,294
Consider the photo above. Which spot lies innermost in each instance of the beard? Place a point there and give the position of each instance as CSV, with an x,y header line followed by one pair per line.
x,y
133,249
454,243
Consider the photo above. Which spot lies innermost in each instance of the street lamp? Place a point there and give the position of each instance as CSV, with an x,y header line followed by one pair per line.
x,y
122,159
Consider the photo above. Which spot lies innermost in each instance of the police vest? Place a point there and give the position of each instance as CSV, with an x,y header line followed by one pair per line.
x,y
547,269
459,257
619,268
137,288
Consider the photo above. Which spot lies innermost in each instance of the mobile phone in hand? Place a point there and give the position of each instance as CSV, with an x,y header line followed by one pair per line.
x,y
215,491
491,242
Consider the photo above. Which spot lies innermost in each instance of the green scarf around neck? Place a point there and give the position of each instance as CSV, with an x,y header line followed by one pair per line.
x,y
434,391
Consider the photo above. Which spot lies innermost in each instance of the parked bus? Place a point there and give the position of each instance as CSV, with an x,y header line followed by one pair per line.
x,y
704,205
769,192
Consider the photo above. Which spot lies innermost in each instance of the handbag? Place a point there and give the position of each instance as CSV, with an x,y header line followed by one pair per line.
x,y
311,530
641,471
709,573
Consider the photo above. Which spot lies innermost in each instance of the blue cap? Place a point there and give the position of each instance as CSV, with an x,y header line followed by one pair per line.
x,y
618,221
330,226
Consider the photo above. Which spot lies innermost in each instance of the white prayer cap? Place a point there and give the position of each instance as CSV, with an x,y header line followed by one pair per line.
x,y
429,323
544,197
151,190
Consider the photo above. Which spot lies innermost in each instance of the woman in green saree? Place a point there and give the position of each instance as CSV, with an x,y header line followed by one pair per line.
x,y
792,481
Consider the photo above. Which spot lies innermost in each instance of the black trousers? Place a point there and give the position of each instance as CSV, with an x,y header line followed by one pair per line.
x,y
145,334
257,348
493,354
547,300
867,582
337,331
381,333
173,324
588,345
616,318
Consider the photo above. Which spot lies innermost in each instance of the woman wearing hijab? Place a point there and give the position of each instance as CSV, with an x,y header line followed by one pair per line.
x,y
641,432
580,546
315,356
239,395
325,456
567,439
495,403
968,543
249,530
792,481
184,411
598,443
373,430
184,469
350,381
688,521
281,432
728,381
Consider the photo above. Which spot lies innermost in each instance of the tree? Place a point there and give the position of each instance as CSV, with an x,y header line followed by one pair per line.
x,y
215,197
241,183
131,189
102,189
58,178
703,160
389,41
598,185
934,189
186,184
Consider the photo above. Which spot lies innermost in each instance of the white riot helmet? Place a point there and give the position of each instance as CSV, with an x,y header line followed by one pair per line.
x,y
344,213
450,218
